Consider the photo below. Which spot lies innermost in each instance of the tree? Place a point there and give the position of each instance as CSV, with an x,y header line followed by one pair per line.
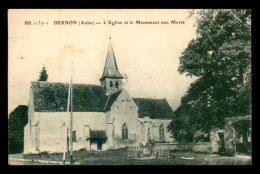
x,y
43,74
180,129
18,118
220,56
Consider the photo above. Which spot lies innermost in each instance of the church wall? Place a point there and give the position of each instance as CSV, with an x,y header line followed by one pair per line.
x,y
52,133
27,128
110,127
155,129
124,110
108,119
30,107
32,131
26,139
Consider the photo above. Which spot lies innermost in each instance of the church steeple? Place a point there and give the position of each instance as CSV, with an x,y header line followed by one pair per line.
x,y
110,69
111,78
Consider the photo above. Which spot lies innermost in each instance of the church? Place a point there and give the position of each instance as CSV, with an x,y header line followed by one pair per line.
x,y
105,116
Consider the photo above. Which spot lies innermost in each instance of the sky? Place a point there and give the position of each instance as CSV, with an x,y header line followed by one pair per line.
x,y
147,54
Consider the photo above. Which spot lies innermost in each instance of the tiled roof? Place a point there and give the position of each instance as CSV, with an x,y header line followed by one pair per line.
x,y
153,108
98,134
111,100
54,96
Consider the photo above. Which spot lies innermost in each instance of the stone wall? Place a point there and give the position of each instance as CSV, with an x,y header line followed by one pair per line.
x,y
27,146
110,90
196,147
124,110
203,147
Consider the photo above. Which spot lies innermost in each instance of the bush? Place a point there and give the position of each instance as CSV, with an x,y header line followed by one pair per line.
x,y
200,136
180,130
82,149
16,122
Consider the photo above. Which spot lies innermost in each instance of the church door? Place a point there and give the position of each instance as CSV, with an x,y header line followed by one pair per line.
x,y
99,145
221,143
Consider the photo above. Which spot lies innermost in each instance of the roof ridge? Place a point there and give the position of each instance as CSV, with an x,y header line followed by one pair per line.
x,y
149,98
65,83
106,103
109,104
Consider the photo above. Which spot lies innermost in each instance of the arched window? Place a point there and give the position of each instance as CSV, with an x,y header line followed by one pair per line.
x,y
74,136
124,131
111,84
161,132
116,84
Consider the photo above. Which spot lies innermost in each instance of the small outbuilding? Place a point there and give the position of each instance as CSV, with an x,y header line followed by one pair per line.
x,y
236,137
98,139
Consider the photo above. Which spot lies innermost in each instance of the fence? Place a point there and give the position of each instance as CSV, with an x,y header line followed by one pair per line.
x,y
160,150
146,152
133,152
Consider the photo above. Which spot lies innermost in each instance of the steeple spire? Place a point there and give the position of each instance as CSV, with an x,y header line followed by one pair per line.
x,y
110,69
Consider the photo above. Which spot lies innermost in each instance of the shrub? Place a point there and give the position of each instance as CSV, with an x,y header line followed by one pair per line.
x,y
82,149
18,118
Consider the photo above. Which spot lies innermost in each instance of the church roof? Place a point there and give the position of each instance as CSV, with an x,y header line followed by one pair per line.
x,y
153,108
110,69
111,100
54,96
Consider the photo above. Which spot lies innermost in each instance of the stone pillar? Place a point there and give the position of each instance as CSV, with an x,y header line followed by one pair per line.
x,y
230,137
147,125
215,141
250,135
145,132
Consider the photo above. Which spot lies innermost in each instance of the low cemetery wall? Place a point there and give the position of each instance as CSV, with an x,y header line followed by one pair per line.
x,y
196,147
163,149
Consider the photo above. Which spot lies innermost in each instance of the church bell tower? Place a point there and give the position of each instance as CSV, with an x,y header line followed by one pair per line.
x,y
111,79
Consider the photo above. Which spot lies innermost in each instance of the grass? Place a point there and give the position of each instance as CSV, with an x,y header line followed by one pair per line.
x,y
118,157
